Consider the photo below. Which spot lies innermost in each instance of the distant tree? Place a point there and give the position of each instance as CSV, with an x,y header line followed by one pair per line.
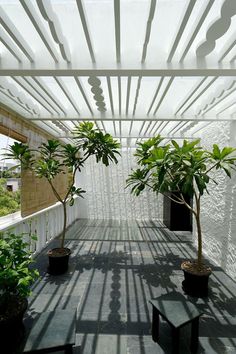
x,y
10,174
9,201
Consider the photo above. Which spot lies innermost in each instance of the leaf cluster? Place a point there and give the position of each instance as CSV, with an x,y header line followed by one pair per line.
x,y
184,169
94,142
20,152
16,275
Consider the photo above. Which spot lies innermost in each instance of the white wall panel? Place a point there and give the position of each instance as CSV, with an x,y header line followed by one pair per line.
x,y
218,215
106,196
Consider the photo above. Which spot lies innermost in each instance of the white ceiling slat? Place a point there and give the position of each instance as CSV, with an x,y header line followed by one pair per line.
x,y
137,94
217,100
200,94
103,126
142,126
217,29
13,92
156,93
49,15
34,88
110,94
197,28
226,52
141,119
34,18
119,94
148,29
163,127
111,100
164,94
48,93
151,127
85,28
32,95
201,82
173,129
225,108
66,93
83,94
188,126
15,35
117,28
15,100
52,129
154,129
233,59
10,46
131,126
200,128
176,128
128,95
145,132
158,127
181,28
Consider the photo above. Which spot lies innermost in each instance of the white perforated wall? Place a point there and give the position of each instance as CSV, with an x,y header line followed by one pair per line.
x,y
106,196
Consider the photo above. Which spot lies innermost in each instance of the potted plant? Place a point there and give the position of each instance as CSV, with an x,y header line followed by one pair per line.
x,y
52,158
16,276
185,170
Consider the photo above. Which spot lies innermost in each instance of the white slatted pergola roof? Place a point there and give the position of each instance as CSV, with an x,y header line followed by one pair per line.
x,y
135,67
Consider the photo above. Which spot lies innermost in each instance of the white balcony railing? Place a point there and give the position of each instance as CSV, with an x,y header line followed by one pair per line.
x,y
46,224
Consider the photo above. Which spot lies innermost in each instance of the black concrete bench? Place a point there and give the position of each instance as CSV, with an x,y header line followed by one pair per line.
x,y
178,312
50,332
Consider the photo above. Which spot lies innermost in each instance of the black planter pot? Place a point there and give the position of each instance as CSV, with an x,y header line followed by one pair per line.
x,y
176,216
58,260
195,284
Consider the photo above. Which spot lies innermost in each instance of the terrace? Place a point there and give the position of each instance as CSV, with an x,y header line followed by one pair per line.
x,y
136,69
116,268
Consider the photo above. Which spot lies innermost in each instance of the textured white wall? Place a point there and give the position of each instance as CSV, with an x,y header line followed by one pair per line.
x,y
106,196
218,214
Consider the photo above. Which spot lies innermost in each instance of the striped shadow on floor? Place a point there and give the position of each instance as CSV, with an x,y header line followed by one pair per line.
x,y
120,230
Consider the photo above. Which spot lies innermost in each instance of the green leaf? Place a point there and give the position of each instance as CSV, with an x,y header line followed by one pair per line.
x,y
71,202
227,151
175,144
200,184
216,152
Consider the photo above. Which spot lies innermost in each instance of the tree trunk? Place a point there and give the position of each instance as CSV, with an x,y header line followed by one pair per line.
x,y
64,225
199,240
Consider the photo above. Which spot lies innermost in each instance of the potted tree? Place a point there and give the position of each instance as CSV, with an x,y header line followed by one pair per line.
x,y
185,170
52,158
16,276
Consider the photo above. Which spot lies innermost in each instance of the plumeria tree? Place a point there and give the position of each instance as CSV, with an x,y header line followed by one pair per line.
x,y
53,158
185,170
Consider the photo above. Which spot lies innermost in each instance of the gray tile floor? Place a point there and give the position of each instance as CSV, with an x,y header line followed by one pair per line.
x,y
115,268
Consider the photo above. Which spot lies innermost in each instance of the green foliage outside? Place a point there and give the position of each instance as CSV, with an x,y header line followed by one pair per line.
x,y
9,201
16,275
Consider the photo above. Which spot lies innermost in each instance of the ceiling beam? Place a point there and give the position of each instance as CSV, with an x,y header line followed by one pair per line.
x,y
175,70
137,137
139,119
